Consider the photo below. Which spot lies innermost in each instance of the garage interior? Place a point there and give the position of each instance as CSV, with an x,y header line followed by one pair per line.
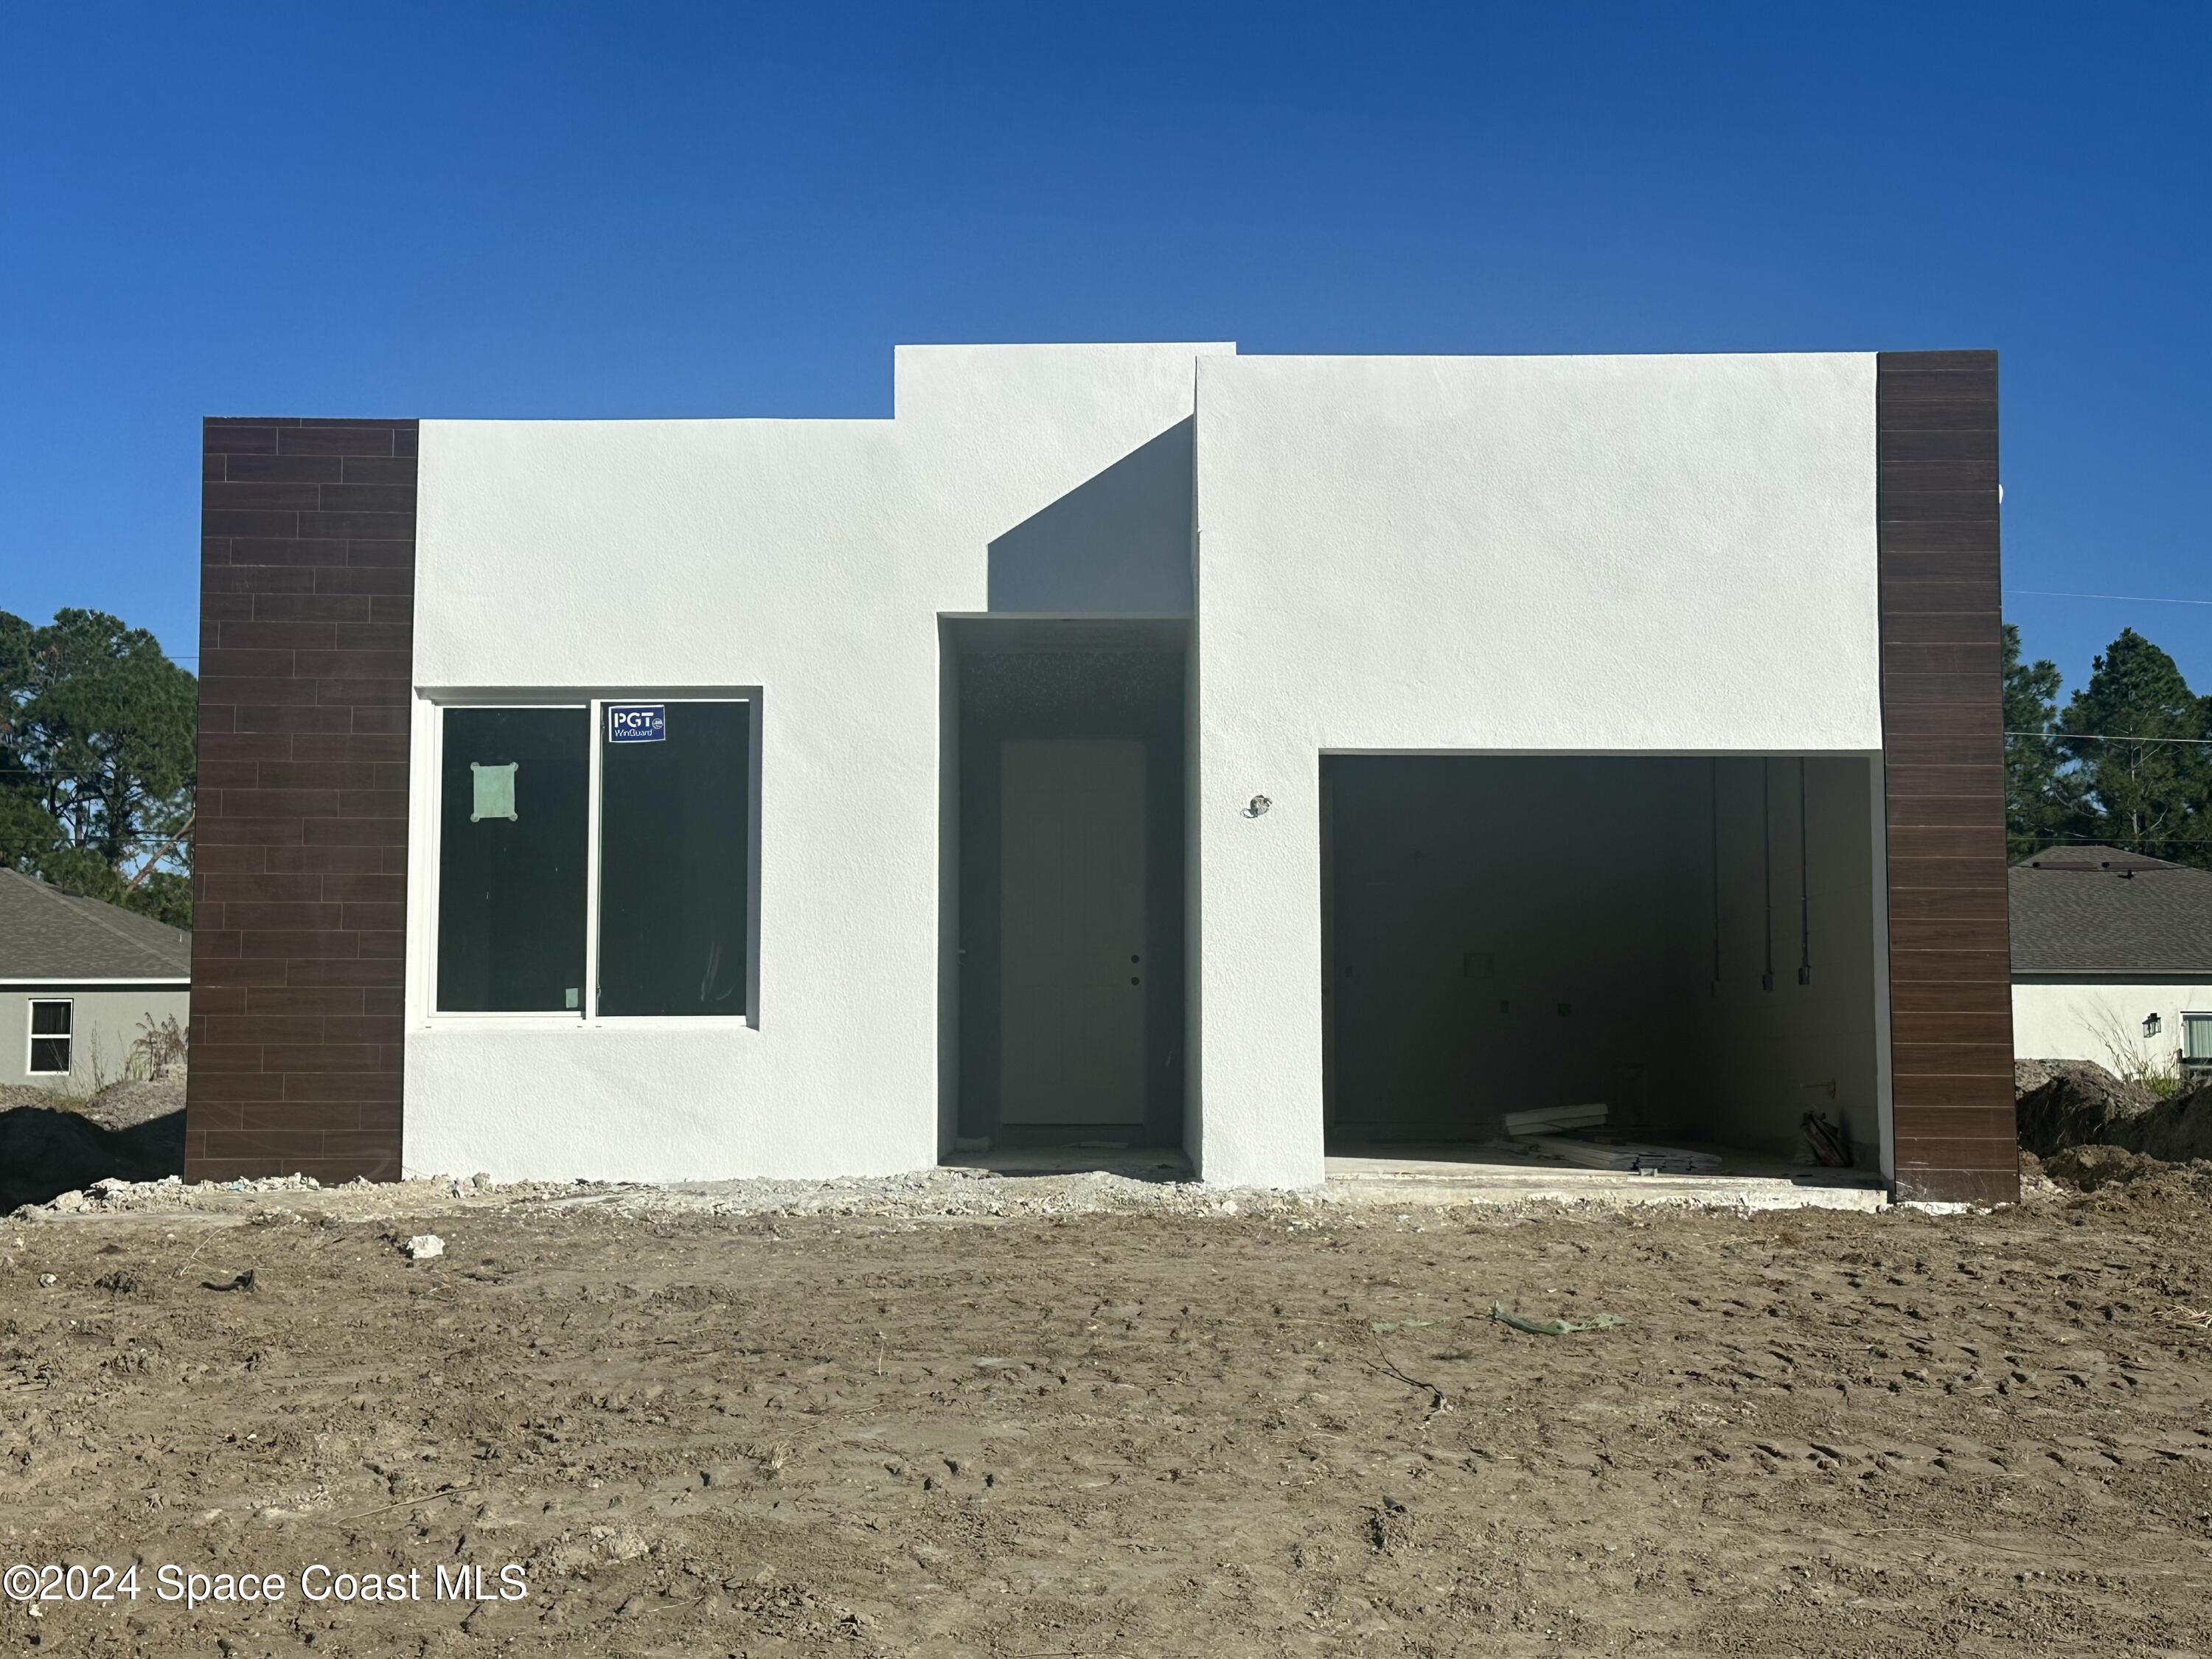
x,y
1689,940
1065,771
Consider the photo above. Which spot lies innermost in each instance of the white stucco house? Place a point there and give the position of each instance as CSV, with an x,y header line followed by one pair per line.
x,y
80,982
1125,744
2111,960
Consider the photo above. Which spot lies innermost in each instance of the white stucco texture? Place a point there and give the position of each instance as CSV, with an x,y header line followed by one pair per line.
x,y
807,561
1491,556
2102,1019
1507,555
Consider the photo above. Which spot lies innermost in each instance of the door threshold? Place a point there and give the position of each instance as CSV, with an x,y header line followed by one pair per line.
x,y
1160,1164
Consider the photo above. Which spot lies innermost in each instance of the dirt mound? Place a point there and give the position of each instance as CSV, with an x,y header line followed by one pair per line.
x,y
46,1150
128,1104
2092,1167
30,1094
2076,1102
2112,1180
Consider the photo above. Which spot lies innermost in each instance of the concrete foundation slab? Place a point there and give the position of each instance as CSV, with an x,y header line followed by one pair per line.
x,y
1464,1175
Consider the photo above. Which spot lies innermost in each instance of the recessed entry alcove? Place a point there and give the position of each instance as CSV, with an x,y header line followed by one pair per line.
x,y
1065,784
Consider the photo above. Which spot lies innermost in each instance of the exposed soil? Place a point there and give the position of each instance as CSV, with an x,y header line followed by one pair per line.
x,y
50,1143
1144,1432
2077,1103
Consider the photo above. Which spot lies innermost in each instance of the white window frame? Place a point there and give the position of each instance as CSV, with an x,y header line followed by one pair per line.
x,y
594,702
32,1034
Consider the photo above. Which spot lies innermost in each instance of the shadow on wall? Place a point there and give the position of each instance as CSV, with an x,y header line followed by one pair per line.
x,y
1117,543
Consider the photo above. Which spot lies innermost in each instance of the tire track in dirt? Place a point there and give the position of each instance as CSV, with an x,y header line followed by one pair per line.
x,y
1145,1434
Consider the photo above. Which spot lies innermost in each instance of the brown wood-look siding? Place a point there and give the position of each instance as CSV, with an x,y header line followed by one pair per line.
x,y
300,853
1943,764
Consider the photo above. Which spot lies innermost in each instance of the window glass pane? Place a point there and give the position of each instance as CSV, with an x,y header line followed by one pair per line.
x,y
49,1054
515,800
51,1018
675,823
2196,1036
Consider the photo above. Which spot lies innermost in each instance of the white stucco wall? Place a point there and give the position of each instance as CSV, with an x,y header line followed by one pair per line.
x,y
106,1022
1498,555
1494,556
808,559
2101,1019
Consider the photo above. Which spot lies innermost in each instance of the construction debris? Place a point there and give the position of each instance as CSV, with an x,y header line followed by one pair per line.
x,y
1628,1156
1553,1327
1826,1144
1550,1119
1565,1131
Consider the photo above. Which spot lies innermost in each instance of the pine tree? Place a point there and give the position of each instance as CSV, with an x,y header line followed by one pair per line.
x,y
2143,795
2042,803
97,761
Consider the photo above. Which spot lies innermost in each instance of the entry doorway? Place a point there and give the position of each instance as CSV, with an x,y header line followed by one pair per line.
x,y
1065,746
1071,932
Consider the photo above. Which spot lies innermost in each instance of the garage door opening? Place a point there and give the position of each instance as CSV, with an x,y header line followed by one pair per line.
x,y
1690,941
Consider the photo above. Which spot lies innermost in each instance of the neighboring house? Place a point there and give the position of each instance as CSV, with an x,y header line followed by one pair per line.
x,y
2112,959
80,981
1125,744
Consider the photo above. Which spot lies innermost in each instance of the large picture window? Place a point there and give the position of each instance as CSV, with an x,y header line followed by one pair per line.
x,y
651,802
673,863
512,859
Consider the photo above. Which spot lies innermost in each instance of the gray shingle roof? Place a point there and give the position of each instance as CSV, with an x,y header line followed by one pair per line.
x,y
46,934
2096,909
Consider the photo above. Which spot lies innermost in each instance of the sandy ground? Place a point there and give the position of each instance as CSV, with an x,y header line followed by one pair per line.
x,y
1151,1428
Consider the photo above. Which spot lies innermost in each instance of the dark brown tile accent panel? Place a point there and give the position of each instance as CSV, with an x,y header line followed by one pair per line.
x,y
299,878
1950,962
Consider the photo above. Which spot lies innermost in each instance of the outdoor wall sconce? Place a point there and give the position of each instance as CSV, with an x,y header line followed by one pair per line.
x,y
2153,1025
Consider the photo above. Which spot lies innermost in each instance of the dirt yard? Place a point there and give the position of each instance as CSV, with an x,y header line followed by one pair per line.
x,y
1153,1431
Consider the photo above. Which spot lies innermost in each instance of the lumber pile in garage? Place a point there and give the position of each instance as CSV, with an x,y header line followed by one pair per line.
x,y
1567,1133
1629,1156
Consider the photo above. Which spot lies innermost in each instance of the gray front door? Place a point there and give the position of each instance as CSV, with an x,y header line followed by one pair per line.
x,y
1071,909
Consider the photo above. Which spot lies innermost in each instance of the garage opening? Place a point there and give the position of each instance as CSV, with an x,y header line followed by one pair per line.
x,y
1069,958
1689,942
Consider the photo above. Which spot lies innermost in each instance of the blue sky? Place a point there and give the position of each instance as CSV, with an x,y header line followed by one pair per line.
x,y
549,209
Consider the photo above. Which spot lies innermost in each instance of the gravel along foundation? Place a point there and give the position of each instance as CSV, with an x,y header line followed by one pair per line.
x,y
977,1417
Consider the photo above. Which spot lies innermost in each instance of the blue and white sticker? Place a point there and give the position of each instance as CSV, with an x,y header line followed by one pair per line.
x,y
637,722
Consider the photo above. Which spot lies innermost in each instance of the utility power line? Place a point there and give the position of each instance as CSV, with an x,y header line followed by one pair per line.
x,y
2107,841
2099,737
2124,599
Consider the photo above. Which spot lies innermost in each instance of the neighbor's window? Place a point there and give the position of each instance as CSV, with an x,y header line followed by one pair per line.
x,y
53,1031
666,823
2196,1039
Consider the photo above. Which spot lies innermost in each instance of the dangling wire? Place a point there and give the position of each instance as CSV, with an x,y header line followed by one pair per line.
x,y
1766,854
1804,883
1713,819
